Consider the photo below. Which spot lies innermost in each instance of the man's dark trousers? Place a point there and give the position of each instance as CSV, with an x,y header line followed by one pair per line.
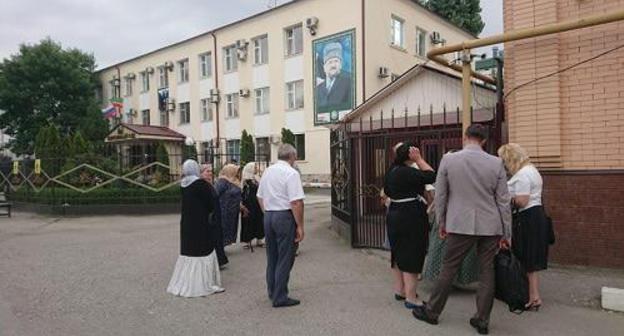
x,y
457,247
279,229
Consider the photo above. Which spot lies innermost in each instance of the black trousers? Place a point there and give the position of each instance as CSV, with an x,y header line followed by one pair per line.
x,y
279,229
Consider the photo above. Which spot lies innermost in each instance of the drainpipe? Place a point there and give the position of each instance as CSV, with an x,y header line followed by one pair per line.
x,y
514,35
216,77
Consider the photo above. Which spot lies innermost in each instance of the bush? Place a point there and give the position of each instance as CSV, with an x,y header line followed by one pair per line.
x,y
103,196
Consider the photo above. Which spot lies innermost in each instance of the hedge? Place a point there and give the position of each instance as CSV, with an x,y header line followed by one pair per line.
x,y
102,196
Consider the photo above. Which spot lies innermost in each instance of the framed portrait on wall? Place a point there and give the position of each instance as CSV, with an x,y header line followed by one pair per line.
x,y
334,77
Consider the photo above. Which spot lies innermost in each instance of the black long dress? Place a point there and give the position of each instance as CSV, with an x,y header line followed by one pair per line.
x,y
252,226
196,231
408,223
530,238
217,229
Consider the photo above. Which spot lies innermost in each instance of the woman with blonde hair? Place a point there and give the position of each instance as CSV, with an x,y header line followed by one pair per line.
x,y
252,224
229,193
531,228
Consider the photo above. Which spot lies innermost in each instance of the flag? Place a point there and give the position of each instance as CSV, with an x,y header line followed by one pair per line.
x,y
109,112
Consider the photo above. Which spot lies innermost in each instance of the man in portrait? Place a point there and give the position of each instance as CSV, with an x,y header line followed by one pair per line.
x,y
334,93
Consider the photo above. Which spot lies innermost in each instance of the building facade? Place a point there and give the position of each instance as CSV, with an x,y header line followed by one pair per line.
x,y
572,123
269,72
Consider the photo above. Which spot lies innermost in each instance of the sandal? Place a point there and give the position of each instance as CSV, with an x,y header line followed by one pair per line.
x,y
533,305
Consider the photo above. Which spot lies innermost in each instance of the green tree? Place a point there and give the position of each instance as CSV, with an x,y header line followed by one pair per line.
x,y
80,145
162,155
288,137
248,150
46,84
464,13
190,152
49,148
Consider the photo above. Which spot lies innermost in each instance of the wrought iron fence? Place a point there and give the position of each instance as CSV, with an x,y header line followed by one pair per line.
x,y
106,178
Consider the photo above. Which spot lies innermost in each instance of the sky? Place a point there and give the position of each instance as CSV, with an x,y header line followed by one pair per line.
x,y
116,30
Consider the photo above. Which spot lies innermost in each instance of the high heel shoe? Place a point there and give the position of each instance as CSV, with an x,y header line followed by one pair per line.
x,y
533,306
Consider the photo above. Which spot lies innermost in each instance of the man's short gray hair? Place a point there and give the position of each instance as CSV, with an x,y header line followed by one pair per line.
x,y
286,152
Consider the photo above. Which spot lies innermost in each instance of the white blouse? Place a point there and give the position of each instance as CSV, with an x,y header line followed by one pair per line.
x,y
527,181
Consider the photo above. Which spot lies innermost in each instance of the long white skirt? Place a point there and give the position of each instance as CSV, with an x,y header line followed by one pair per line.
x,y
196,276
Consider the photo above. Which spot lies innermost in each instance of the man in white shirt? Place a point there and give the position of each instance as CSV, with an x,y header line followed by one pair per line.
x,y
280,195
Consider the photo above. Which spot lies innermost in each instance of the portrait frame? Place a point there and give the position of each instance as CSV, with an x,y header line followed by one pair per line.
x,y
332,112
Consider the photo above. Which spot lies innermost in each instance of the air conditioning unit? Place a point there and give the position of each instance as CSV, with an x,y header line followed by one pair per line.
x,y
169,65
384,72
171,106
214,96
131,75
275,139
132,113
243,92
149,70
312,24
241,54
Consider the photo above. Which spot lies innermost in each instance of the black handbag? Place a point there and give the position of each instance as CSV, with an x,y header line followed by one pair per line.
x,y
512,284
549,226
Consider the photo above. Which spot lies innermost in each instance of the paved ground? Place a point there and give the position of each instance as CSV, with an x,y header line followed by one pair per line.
x,y
107,276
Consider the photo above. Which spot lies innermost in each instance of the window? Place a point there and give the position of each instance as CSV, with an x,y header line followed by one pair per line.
x,y
294,40
163,77
231,102
262,101
261,50
164,118
230,59
207,151
421,42
183,71
128,84
185,113
145,115
205,65
397,32
300,146
233,150
263,149
113,89
294,95
206,109
144,81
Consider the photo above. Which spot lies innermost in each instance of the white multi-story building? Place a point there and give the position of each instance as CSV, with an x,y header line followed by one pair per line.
x,y
300,66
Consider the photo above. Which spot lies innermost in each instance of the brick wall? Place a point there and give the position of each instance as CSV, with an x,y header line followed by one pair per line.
x,y
587,209
572,124
574,120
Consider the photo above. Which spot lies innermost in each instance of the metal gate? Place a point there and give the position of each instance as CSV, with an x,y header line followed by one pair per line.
x,y
362,153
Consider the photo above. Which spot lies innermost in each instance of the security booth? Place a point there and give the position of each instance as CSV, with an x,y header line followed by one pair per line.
x,y
137,145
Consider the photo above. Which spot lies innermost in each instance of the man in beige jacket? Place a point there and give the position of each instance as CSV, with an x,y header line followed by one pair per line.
x,y
473,208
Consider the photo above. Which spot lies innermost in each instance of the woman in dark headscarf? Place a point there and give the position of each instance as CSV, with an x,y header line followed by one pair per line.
x,y
408,224
196,272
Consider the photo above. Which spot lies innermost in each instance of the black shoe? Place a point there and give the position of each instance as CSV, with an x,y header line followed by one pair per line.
x,y
399,297
288,303
420,313
481,327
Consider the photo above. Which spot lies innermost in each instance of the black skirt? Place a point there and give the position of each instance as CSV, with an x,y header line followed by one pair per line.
x,y
530,238
408,228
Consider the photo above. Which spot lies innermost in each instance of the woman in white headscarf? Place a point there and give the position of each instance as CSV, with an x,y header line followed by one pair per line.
x,y
252,223
196,272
